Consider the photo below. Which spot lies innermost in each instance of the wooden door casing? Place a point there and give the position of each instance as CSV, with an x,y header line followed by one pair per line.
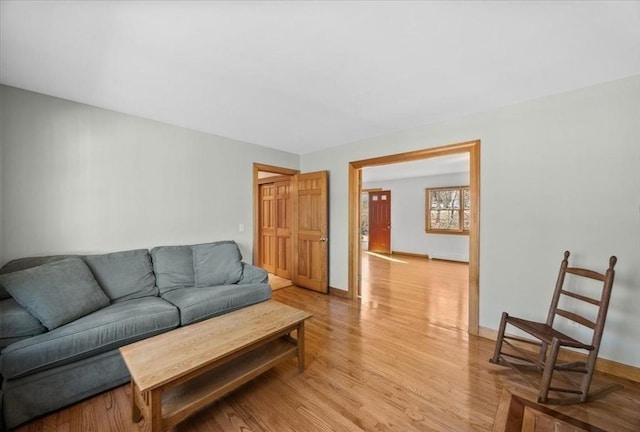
x,y
380,221
310,269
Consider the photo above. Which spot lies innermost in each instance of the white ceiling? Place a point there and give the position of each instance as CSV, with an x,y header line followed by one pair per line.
x,y
302,76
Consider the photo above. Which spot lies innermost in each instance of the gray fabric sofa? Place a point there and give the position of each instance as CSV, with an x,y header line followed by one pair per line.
x,y
63,318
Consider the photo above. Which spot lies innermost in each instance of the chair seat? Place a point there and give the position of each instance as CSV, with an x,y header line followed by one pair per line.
x,y
546,333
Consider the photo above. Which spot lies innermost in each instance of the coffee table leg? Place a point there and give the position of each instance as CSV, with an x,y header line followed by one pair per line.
x,y
135,410
155,405
300,337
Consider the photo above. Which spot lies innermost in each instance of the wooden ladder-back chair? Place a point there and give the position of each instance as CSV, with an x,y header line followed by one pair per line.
x,y
547,336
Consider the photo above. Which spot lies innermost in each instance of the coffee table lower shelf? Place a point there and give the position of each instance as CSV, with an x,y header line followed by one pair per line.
x,y
176,403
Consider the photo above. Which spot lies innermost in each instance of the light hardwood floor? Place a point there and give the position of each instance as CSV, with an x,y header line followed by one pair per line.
x,y
278,282
397,361
437,291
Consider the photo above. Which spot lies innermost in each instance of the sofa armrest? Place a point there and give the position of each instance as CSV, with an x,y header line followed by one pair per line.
x,y
16,323
252,274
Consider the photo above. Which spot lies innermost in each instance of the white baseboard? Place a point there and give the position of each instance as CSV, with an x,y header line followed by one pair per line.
x,y
449,257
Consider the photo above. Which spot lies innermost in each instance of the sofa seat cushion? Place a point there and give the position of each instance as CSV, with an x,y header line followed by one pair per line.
x,y
56,293
109,328
197,304
124,275
5,342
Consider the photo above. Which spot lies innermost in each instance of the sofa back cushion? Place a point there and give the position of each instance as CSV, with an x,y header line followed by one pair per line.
x,y
124,275
218,263
173,266
56,293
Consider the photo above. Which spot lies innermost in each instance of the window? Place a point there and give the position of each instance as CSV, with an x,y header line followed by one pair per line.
x,y
447,210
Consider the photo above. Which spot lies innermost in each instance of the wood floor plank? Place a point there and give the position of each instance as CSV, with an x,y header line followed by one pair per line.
x,y
399,360
229,419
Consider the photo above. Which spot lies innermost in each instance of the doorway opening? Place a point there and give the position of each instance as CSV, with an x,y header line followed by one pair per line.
x,y
272,222
355,196
290,225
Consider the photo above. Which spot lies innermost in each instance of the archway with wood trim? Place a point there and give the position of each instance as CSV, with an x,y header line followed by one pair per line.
x,y
355,185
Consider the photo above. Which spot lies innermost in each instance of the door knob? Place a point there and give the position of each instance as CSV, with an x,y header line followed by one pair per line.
x,y
323,239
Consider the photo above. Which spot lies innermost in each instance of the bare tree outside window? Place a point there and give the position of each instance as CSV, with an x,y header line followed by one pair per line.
x,y
364,216
448,210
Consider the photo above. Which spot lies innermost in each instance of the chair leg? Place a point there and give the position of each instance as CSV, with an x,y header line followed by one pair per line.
x,y
542,357
503,325
586,380
549,367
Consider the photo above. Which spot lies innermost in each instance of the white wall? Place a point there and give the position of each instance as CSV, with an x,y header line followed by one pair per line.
x,y
1,182
561,172
79,179
408,217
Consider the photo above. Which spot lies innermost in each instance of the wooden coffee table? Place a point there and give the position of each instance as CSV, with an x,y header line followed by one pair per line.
x,y
179,372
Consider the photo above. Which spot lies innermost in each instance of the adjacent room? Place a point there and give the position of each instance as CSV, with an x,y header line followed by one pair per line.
x,y
426,255
319,216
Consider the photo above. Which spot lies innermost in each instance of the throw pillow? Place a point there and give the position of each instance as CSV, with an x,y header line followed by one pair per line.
x,y
56,293
218,263
25,263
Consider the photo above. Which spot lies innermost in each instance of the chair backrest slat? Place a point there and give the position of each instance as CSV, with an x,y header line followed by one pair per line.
x,y
586,273
576,318
581,297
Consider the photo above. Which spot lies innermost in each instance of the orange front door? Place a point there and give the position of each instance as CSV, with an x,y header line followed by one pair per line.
x,y
380,221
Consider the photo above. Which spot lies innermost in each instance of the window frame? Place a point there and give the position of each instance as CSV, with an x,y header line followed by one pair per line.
x,y
461,231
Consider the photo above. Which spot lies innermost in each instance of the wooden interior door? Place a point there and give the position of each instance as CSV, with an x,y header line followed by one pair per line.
x,y
380,221
283,215
275,219
267,226
310,254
